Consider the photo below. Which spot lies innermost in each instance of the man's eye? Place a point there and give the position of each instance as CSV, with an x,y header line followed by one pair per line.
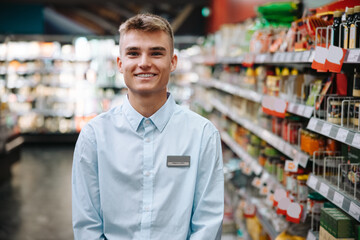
x,y
132,53
157,54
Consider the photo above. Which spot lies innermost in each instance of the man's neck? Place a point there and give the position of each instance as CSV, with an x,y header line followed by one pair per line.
x,y
147,105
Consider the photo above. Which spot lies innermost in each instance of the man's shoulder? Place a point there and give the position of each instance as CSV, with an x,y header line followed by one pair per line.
x,y
105,117
194,118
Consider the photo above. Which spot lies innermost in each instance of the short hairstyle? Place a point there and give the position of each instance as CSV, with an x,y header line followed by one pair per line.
x,y
148,22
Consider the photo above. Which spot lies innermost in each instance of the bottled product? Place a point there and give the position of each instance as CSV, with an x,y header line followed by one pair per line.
x,y
344,43
356,115
356,85
354,29
336,28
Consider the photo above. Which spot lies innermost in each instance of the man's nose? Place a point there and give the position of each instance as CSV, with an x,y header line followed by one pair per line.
x,y
144,61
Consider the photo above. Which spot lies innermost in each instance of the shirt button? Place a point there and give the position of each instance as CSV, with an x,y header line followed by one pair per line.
x,y
147,140
147,121
147,173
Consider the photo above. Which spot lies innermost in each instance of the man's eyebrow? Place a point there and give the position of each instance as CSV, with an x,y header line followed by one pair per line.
x,y
158,49
132,48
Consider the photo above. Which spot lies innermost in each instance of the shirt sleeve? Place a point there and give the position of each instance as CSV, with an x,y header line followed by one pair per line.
x,y
86,211
208,208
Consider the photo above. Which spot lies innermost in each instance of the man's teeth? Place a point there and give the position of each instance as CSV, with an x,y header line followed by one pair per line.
x,y
146,75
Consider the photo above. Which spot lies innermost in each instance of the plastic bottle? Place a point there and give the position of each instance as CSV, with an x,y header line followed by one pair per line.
x,y
354,29
336,28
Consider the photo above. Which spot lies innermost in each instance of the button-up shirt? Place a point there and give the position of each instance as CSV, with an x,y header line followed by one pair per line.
x,y
123,188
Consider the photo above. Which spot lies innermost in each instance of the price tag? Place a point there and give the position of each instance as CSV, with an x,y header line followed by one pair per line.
x,y
354,210
247,170
324,189
310,236
312,124
300,109
308,111
356,140
305,56
276,57
297,57
257,58
312,181
264,190
326,128
342,135
291,166
312,56
302,159
256,182
289,57
353,55
282,57
262,58
338,199
291,107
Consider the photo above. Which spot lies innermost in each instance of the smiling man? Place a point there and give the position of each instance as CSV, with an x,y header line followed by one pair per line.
x,y
148,169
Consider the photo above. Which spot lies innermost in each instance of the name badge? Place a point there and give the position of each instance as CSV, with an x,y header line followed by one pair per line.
x,y
178,161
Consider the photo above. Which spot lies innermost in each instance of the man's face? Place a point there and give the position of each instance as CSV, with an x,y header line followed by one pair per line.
x,y
146,60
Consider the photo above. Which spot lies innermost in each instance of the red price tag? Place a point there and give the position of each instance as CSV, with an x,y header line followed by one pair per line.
x,y
335,59
320,59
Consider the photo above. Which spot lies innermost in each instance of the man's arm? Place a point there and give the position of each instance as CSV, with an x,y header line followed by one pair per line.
x,y
86,211
208,208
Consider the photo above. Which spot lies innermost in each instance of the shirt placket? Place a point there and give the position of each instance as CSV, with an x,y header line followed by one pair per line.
x,y
148,178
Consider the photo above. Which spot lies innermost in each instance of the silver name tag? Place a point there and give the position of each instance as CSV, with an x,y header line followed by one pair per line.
x,y
178,161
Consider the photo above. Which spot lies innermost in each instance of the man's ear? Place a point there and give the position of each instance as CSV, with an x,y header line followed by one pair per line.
x,y
119,64
174,60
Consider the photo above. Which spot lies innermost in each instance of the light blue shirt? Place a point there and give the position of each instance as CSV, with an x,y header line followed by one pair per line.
x,y
122,187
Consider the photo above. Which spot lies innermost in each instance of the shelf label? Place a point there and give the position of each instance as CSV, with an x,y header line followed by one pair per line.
x,y
281,145
335,58
320,58
326,128
291,166
312,181
282,57
312,124
342,135
324,189
354,210
305,56
356,140
289,57
338,199
312,56
353,55
308,111
300,109
297,57
256,182
302,159
291,107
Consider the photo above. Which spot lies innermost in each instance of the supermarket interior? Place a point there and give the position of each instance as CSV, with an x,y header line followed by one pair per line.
x,y
279,79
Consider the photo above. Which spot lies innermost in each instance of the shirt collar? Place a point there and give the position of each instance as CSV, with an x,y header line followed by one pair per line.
x,y
160,118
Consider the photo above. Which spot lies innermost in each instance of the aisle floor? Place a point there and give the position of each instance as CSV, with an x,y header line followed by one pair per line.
x,y
36,203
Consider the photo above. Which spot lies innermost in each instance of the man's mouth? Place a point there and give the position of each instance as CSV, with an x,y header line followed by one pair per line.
x,y
145,75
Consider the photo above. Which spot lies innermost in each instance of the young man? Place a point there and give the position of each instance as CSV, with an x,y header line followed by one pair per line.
x,y
148,169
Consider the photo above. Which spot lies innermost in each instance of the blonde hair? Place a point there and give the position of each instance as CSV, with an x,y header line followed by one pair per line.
x,y
148,22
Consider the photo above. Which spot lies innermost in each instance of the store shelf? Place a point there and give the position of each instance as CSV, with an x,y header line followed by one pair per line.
x,y
336,132
267,226
341,199
312,235
232,89
252,162
255,166
50,137
277,142
300,109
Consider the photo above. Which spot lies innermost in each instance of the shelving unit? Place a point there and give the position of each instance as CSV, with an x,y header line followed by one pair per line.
x,y
336,132
291,151
347,203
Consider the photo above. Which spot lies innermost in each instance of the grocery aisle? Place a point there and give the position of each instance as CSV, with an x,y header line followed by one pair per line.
x,y
37,202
